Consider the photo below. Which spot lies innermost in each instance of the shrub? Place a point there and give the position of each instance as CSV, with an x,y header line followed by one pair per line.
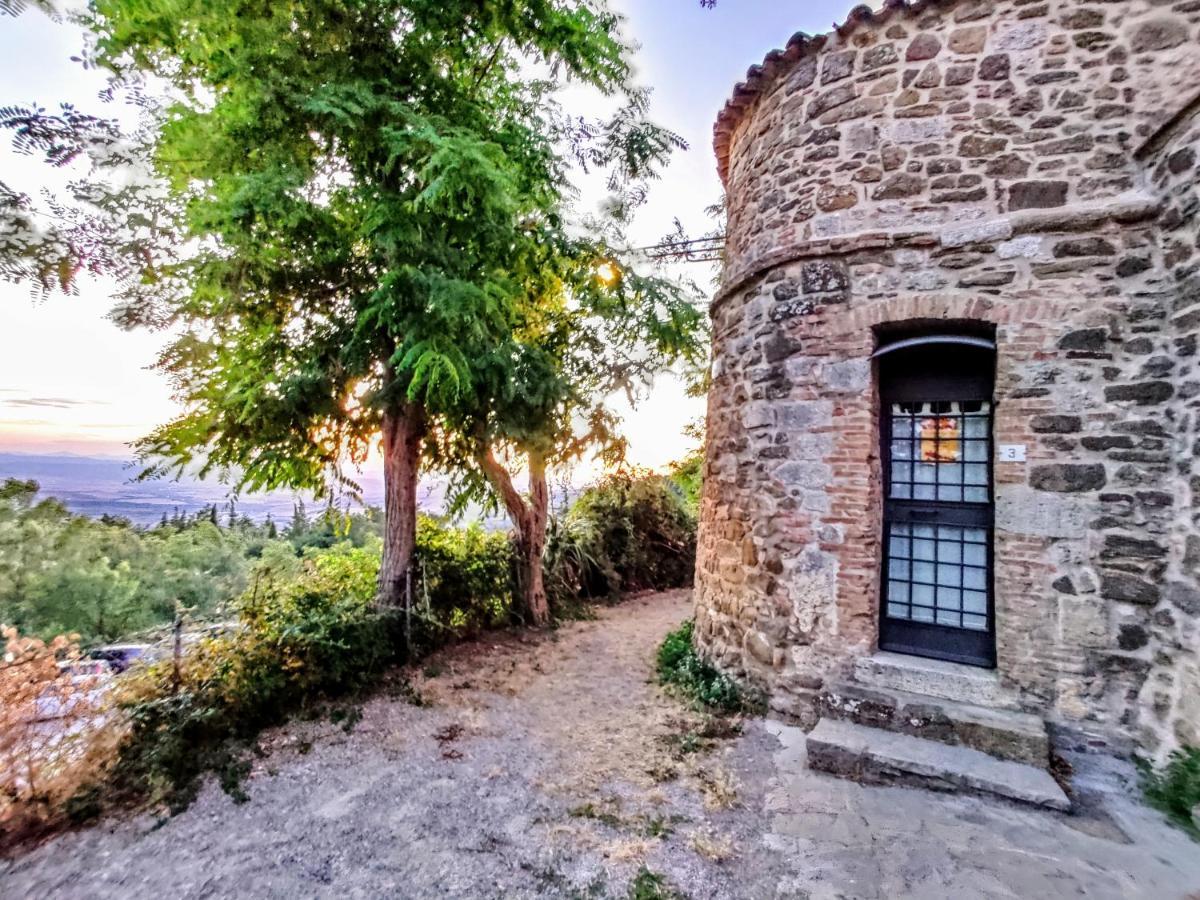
x,y
570,559
465,581
679,665
300,641
57,737
1175,789
308,632
687,474
305,637
635,532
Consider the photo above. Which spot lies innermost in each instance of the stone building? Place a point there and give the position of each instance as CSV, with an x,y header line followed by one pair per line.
x,y
953,423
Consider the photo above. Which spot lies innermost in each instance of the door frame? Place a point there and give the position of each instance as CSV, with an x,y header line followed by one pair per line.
x,y
936,369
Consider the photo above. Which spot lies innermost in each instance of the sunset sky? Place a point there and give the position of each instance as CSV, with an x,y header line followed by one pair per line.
x,y
70,381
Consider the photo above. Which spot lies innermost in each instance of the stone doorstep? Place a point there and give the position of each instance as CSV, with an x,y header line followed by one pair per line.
x,y
872,756
934,678
1004,734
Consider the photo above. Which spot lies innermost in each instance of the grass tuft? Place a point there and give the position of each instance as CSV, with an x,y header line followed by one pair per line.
x,y
1175,788
648,885
680,666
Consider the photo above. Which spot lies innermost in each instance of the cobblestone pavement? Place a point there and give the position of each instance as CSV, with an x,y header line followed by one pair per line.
x,y
553,766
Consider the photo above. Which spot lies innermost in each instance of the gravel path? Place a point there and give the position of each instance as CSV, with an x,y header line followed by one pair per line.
x,y
553,766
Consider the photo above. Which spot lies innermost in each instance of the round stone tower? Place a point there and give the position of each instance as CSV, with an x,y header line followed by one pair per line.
x,y
955,387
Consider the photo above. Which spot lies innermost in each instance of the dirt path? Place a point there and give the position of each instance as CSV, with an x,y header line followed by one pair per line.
x,y
553,766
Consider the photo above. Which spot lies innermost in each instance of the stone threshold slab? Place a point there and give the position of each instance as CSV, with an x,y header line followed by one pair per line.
x,y
873,756
1001,733
934,678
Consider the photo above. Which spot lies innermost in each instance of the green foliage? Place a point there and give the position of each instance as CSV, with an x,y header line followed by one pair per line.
x,y
688,476
633,531
1175,789
105,579
465,580
572,554
46,243
308,632
648,885
371,205
679,665
299,642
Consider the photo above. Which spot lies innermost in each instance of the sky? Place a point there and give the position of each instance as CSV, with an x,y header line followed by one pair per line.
x,y
72,382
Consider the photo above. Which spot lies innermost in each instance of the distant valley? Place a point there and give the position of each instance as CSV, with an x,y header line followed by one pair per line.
x,y
95,486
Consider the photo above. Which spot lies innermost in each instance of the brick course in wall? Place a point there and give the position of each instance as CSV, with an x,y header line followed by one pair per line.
x,y
1032,166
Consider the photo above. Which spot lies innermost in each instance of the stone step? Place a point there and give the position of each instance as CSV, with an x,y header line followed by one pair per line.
x,y
873,756
934,678
1001,733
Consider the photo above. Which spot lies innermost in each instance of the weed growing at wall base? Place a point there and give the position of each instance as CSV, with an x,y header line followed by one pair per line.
x,y
680,666
1175,788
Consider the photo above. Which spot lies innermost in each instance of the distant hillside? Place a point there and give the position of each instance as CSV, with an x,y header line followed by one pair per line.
x,y
94,486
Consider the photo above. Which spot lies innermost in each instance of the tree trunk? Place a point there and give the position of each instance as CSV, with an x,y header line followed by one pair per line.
x,y
535,541
529,519
403,431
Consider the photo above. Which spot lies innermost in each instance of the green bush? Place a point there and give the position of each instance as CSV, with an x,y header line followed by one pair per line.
x,y
1175,788
631,532
307,634
300,641
465,581
570,559
679,665
688,475
308,631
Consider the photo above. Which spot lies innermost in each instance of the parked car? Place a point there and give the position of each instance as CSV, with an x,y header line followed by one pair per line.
x,y
121,656
85,668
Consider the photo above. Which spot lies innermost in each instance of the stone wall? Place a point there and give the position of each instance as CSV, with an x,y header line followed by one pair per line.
x,y
1028,165
1173,690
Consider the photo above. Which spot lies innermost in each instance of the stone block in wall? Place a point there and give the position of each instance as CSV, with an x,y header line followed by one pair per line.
x,y
968,41
1068,477
1145,393
822,276
803,473
1125,547
1128,588
852,376
1055,424
1024,510
1091,340
1184,597
923,46
1083,621
1159,34
1037,195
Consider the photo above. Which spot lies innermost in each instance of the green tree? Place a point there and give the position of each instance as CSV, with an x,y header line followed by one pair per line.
x,y
93,585
201,567
362,189
592,334
688,473
105,223
29,535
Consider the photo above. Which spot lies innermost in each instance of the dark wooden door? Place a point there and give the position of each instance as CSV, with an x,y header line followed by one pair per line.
x,y
937,594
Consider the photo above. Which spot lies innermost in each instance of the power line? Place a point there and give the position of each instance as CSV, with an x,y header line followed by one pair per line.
x,y
702,249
